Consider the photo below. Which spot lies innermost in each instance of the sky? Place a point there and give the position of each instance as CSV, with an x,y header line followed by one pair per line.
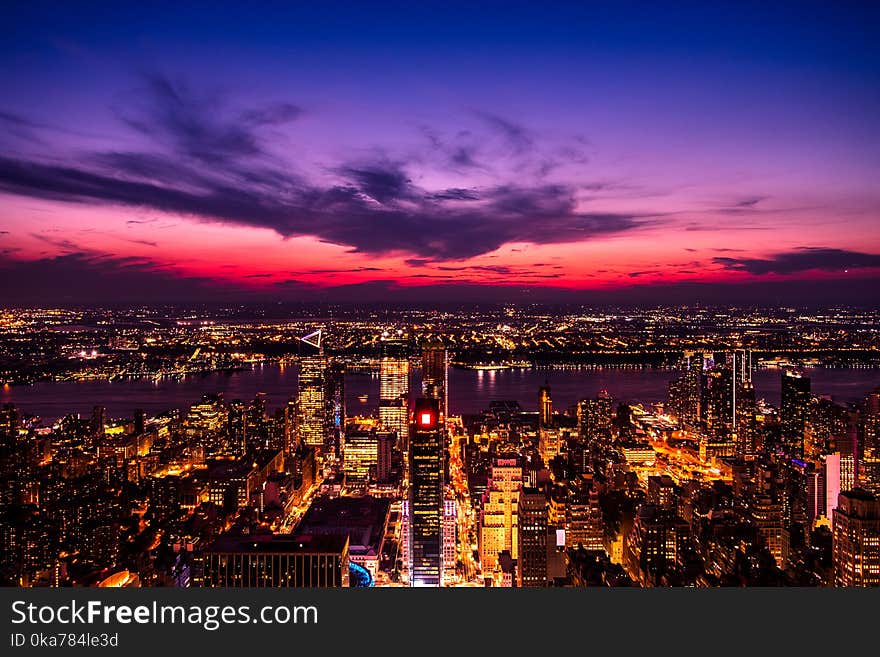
x,y
383,152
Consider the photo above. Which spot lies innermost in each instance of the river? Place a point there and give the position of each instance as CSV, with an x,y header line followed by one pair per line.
x,y
469,390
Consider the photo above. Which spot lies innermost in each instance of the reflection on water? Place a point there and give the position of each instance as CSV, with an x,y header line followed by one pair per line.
x,y
469,390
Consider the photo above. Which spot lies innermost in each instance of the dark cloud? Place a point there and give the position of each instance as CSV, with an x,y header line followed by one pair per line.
x,y
195,124
210,163
517,136
750,202
15,119
801,260
85,277
464,157
383,182
456,194
275,114
63,244
378,211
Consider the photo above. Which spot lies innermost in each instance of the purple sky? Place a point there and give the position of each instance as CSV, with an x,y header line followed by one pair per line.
x,y
508,152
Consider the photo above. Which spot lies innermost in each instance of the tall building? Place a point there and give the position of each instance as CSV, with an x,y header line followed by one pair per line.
x,y
869,460
692,388
426,495
394,388
744,423
336,404
450,533
719,393
499,519
312,400
767,516
360,456
831,482
584,525
595,419
856,540
545,407
435,375
532,561
794,411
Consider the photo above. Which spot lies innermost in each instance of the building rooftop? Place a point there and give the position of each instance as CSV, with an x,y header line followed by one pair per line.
x,y
281,543
361,519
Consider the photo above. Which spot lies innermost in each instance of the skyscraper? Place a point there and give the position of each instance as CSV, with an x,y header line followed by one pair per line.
x,y
794,411
856,541
426,495
584,526
869,461
532,513
312,401
394,388
545,407
745,409
336,404
692,389
435,377
499,519
595,418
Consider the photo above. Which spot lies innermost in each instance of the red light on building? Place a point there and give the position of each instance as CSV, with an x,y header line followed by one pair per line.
x,y
425,418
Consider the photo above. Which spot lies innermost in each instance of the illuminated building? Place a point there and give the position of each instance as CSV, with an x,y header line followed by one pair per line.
x,y
499,518
277,561
549,442
584,525
595,418
767,517
435,375
856,542
719,409
661,492
832,483
869,462
336,404
450,532
655,545
312,400
532,516
745,421
545,407
238,423
206,425
394,388
794,411
689,402
385,442
426,495
360,456
827,422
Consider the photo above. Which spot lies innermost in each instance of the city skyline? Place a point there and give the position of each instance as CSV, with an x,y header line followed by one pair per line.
x,y
573,154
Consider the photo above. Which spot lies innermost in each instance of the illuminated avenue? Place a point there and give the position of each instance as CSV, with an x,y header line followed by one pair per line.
x,y
713,486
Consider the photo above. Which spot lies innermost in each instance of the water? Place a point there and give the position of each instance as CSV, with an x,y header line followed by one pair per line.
x,y
469,390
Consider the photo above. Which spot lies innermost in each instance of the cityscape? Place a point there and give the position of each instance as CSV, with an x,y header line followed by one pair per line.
x,y
439,295
372,470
